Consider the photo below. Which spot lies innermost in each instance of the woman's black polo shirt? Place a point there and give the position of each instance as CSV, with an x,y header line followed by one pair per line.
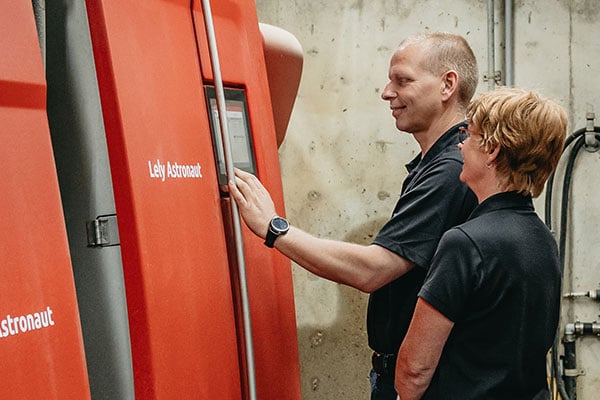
x,y
497,277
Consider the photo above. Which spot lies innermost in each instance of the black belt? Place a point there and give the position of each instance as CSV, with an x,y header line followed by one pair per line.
x,y
384,364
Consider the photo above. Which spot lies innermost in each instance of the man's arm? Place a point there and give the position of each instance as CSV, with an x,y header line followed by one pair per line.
x,y
421,350
366,268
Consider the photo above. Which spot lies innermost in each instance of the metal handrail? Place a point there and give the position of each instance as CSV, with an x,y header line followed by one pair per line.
x,y
229,166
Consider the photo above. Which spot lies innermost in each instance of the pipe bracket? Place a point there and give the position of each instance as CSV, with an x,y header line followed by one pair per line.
x,y
497,76
592,144
574,372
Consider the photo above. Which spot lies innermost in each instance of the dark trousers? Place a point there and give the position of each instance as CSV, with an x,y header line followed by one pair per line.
x,y
382,387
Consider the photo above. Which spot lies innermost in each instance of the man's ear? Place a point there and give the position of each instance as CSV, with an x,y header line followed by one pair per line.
x,y
449,84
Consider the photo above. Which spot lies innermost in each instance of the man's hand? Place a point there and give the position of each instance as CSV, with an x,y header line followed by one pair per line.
x,y
254,202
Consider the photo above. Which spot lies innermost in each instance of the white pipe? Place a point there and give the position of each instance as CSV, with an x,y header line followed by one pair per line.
x,y
239,244
508,49
491,74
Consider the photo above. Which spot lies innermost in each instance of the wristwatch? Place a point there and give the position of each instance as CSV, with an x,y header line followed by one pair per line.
x,y
277,227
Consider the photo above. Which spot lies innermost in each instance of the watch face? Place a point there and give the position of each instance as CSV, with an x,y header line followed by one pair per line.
x,y
279,224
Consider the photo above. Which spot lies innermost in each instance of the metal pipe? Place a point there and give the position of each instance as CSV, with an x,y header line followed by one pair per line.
x,y
577,138
508,38
570,370
491,74
581,329
229,166
570,366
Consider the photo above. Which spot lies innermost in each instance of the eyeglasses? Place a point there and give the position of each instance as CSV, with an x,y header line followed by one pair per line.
x,y
464,134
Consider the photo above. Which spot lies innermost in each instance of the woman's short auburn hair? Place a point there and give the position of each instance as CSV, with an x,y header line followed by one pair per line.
x,y
530,131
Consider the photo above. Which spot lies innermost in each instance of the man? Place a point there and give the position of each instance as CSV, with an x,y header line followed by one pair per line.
x,y
432,77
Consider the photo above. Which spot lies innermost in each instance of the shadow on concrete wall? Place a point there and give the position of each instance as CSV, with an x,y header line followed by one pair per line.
x,y
335,359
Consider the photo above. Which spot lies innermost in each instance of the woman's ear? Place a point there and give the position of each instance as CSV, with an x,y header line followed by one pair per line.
x,y
492,154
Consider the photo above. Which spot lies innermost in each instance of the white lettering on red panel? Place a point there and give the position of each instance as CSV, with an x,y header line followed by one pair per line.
x,y
11,326
173,170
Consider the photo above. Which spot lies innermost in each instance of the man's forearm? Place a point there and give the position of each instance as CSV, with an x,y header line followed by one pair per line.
x,y
365,268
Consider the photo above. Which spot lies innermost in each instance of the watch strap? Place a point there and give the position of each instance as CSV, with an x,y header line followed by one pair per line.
x,y
270,238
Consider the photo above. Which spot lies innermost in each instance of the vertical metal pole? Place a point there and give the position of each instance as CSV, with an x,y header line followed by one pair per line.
x,y
239,244
491,78
508,49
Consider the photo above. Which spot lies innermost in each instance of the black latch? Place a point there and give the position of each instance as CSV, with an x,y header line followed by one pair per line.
x,y
103,231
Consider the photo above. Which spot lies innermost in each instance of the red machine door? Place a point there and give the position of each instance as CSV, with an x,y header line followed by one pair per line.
x,y
176,270
270,289
41,346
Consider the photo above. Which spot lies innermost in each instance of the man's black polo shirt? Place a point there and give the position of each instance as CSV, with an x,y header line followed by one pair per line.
x,y
432,201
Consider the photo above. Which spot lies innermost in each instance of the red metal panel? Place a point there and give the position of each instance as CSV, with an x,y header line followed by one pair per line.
x,y
171,228
41,347
241,55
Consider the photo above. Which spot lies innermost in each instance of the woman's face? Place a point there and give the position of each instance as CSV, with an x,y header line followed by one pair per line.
x,y
474,156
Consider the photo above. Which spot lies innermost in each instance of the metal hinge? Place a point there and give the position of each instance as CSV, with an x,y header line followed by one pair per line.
x,y
103,231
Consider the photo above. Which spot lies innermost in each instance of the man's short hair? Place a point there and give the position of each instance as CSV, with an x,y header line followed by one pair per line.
x,y
444,52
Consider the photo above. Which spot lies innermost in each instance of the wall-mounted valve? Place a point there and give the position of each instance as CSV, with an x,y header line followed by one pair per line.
x,y
592,294
582,328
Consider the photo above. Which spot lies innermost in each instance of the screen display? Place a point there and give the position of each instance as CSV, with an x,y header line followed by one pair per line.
x,y
240,138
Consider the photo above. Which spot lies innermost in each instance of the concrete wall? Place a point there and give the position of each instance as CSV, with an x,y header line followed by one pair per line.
x,y
343,161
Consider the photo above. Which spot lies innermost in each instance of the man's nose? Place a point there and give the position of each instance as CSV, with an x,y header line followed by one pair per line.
x,y
387,94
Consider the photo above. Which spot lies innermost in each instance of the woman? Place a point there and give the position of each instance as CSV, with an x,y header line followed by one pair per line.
x,y
488,311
